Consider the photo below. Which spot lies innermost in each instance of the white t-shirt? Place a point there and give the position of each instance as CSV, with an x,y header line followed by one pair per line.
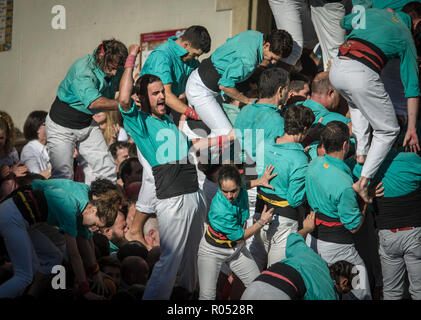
x,y
35,156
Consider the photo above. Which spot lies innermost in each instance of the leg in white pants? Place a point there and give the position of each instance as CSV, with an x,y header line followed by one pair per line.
x,y
179,222
210,260
203,100
260,290
363,88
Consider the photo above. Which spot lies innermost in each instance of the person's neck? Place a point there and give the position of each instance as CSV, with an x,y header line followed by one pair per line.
x,y
159,117
337,154
102,126
273,100
42,141
286,138
319,98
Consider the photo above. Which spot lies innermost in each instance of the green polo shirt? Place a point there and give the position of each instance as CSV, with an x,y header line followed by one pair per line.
x,y
237,58
391,33
312,268
291,163
329,190
256,123
159,140
383,4
320,111
231,111
227,217
66,200
85,82
165,62
400,173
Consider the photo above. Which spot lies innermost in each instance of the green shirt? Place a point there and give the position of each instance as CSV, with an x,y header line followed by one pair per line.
x,y
159,141
329,190
383,4
85,82
391,33
227,217
237,58
256,123
400,173
66,200
312,268
231,111
290,162
165,62
320,111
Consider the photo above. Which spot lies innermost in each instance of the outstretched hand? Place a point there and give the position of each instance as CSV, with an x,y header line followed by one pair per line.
x,y
267,176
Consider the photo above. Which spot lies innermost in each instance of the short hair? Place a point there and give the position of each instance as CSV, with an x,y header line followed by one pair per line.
x,y
297,118
117,146
199,38
101,186
125,168
141,89
32,123
132,248
229,172
270,81
280,42
107,205
108,261
333,136
114,52
321,83
342,269
150,224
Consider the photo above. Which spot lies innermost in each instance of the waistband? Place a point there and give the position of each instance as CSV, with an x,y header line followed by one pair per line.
x,y
218,239
173,180
286,278
281,206
364,52
331,230
66,116
209,75
398,212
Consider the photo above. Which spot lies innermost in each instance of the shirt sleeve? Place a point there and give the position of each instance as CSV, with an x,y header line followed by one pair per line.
x,y
134,123
297,180
409,70
296,245
85,87
348,209
347,21
235,73
159,64
225,220
29,158
334,116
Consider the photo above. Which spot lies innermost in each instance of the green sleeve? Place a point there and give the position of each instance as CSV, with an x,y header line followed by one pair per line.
x,y
348,209
86,88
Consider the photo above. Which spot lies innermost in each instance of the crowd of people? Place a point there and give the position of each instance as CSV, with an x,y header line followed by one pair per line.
x,y
285,166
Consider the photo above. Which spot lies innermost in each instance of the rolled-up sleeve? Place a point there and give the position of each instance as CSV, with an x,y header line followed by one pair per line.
x,y
235,73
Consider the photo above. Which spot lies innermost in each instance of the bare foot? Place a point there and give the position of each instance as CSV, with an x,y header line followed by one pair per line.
x,y
361,159
362,190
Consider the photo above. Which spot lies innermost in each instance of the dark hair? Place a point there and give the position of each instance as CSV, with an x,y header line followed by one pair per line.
x,y
141,89
270,81
333,136
108,261
280,42
33,122
294,99
132,248
107,205
117,146
297,118
321,83
342,269
133,150
199,38
113,51
101,186
102,245
229,172
6,124
413,9
125,168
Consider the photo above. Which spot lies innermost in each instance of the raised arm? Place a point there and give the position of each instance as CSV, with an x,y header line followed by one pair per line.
x,y
126,83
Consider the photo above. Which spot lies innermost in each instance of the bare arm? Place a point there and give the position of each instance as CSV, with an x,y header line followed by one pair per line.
x,y
411,139
236,95
173,101
104,104
126,82
136,229
263,181
266,217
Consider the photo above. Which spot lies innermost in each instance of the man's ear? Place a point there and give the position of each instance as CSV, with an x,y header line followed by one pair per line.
x,y
343,283
107,232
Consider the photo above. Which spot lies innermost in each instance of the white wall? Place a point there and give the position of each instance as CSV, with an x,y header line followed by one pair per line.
x,y
40,56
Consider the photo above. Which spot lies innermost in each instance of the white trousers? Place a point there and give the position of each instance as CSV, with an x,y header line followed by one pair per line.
x,y
370,106
146,201
260,290
180,230
210,260
61,144
333,252
204,102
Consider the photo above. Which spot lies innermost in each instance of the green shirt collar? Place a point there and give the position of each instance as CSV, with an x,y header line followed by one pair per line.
x,y
176,48
338,163
97,70
265,105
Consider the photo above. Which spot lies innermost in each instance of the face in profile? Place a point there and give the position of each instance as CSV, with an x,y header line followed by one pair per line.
x,y
268,56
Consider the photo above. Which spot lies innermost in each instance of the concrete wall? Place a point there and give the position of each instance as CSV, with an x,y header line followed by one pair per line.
x,y
40,56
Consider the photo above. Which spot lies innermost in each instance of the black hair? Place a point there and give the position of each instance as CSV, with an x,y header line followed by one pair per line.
x,y
101,186
116,146
229,172
270,81
333,136
199,38
342,269
141,89
413,9
132,248
125,168
280,42
113,51
297,118
33,122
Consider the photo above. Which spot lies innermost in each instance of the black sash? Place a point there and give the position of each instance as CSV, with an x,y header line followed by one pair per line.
x,y
331,230
287,212
66,116
209,75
